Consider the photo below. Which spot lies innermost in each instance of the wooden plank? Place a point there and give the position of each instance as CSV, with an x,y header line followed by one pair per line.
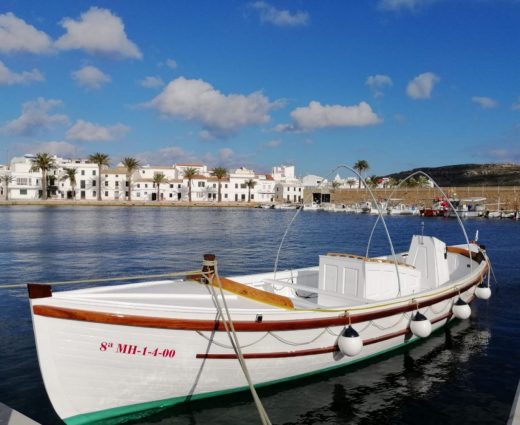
x,y
253,293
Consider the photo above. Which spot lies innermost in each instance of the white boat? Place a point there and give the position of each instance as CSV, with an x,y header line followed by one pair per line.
x,y
313,206
468,208
286,206
113,351
402,209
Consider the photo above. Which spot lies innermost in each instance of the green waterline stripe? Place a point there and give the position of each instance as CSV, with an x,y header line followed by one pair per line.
x,y
103,415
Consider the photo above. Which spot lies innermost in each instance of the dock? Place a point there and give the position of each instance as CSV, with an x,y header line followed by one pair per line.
x,y
10,416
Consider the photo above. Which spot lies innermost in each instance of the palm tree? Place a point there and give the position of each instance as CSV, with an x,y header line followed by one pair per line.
x,y
361,166
43,162
219,173
102,160
372,181
158,179
6,179
423,181
189,173
334,185
70,173
250,185
131,165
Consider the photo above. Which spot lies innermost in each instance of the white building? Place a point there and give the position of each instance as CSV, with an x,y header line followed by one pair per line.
x,y
287,188
280,186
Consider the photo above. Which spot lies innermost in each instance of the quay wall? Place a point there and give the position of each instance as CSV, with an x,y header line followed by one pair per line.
x,y
509,196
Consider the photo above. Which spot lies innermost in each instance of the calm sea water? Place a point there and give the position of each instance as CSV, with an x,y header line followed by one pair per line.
x,y
465,375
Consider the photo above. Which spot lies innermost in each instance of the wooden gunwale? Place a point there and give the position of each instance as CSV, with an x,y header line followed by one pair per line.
x,y
240,326
314,351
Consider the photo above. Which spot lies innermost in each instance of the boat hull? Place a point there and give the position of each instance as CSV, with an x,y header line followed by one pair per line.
x,y
99,365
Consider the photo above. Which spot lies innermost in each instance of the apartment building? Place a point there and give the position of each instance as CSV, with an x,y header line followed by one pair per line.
x,y
239,185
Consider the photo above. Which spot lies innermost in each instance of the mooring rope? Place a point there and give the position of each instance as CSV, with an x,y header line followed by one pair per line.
x,y
233,338
101,280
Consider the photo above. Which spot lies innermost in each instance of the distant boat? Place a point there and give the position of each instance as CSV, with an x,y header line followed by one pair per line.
x,y
439,208
115,351
468,208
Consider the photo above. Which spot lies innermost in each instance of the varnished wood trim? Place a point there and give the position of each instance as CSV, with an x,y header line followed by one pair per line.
x,y
254,293
314,351
240,326
247,291
476,256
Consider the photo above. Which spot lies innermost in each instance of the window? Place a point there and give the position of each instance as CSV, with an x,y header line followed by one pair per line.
x,y
93,183
138,185
82,184
171,187
200,195
243,197
106,193
225,195
82,172
126,184
179,186
94,193
171,195
23,191
138,194
93,172
106,176
146,185
243,186
214,184
22,181
106,184
117,184
201,184
236,185
252,196
225,185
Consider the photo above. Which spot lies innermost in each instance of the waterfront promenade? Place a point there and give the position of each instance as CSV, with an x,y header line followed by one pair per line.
x,y
508,196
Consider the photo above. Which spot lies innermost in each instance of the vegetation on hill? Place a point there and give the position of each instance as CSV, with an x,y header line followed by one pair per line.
x,y
470,174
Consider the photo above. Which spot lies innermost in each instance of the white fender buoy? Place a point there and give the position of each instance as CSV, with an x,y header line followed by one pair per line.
x,y
461,309
483,291
349,342
420,325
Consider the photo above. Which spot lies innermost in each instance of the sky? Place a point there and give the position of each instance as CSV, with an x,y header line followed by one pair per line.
x,y
399,83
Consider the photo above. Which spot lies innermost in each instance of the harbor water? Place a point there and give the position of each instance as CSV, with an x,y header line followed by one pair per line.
x,y
466,374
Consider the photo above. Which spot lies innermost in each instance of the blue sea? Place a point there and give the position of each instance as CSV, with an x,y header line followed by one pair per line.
x,y
465,374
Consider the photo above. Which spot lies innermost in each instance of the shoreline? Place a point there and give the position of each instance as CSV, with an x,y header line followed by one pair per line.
x,y
162,204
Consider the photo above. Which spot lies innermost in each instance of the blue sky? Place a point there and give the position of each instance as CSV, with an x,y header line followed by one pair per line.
x,y
399,83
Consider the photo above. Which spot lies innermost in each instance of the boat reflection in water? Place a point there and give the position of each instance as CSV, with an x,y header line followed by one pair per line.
x,y
372,392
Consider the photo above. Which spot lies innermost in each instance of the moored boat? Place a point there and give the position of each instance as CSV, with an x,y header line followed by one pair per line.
x,y
117,350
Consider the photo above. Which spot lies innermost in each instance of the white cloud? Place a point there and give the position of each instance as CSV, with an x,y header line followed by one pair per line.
x,y
98,31
89,132
280,18
152,82
9,78
516,106
316,115
171,63
421,86
18,36
35,116
273,143
397,5
90,77
60,148
377,83
485,102
220,115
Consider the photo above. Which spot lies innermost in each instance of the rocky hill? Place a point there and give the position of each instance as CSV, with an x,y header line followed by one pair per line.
x,y
470,174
